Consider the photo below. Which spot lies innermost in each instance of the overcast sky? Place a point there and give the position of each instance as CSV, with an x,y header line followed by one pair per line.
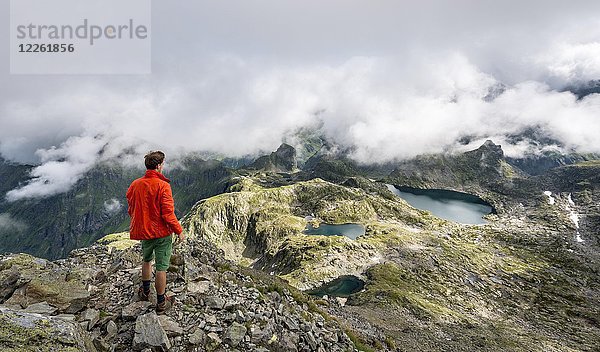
x,y
391,79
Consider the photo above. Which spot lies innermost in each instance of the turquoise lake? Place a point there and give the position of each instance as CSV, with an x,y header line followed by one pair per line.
x,y
343,286
349,230
450,205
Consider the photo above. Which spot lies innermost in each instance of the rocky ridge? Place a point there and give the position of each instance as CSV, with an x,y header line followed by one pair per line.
x,y
87,302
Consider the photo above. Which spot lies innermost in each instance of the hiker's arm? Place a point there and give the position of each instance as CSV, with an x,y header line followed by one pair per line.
x,y
129,196
167,209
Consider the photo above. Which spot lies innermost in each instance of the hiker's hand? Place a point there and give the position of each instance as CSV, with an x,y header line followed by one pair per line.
x,y
180,238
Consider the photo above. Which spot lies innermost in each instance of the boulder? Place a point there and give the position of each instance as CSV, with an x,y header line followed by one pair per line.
x,y
198,287
131,311
23,331
91,316
171,327
150,334
198,337
214,302
41,308
234,334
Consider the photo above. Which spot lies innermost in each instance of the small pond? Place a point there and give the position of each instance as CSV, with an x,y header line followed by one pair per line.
x,y
450,205
343,286
349,230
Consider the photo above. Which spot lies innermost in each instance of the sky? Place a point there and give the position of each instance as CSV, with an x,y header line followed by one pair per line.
x,y
387,79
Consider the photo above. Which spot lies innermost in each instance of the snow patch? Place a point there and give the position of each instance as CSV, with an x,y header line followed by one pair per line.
x,y
574,217
550,198
571,202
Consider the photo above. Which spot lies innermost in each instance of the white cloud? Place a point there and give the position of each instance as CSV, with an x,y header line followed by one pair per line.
x,y
8,223
390,80
112,206
567,62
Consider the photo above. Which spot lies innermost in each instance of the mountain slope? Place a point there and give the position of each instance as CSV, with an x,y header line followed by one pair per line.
x,y
96,206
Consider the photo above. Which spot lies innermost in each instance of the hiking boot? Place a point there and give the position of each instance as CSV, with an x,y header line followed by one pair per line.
x,y
161,308
143,296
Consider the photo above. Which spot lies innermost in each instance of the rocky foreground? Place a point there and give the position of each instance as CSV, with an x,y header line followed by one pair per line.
x,y
87,302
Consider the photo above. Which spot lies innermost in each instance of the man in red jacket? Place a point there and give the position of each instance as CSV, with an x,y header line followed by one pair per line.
x,y
153,221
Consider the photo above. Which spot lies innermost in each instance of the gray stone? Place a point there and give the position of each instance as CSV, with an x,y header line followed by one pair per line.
x,y
231,305
289,342
67,317
275,297
239,316
310,339
256,335
131,311
213,340
214,302
171,327
41,308
290,323
111,328
91,316
211,319
101,345
149,333
198,337
59,334
198,287
234,334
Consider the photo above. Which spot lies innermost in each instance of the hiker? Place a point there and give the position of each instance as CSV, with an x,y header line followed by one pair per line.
x,y
153,221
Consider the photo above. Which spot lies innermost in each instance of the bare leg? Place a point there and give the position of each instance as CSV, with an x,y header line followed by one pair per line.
x,y
146,271
161,282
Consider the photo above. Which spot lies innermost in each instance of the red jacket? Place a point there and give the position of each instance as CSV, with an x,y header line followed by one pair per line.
x,y
151,207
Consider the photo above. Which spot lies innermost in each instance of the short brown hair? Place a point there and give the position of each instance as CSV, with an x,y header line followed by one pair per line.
x,y
153,159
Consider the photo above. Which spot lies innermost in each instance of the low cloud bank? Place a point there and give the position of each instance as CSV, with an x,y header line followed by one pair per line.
x,y
383,109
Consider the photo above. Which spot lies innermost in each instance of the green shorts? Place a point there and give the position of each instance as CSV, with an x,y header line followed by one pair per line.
x,y
161,248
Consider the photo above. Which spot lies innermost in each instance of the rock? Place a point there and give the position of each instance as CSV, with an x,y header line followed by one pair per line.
x,y
101,345
24,331
234,334
231,305
67,317
214,302
283,159
213,340
275,296
41,308
310,339
289,342
171,327
131,311
111,328
91,316
239,316
149,333
198,337
290,323
198,287
9,282
68,296
211,319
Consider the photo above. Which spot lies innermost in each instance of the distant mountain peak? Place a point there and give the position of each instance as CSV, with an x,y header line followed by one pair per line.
x,y
284,159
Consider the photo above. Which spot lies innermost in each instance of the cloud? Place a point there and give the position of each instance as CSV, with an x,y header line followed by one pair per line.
x,y
112,206
10,224
387,80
